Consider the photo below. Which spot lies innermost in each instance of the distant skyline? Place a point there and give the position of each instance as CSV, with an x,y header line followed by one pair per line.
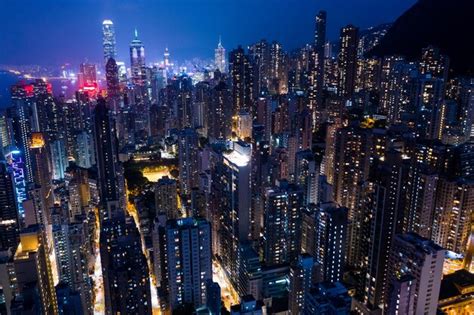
x,y
54,32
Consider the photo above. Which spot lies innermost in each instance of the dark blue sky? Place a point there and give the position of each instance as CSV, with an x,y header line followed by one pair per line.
x,y
52,32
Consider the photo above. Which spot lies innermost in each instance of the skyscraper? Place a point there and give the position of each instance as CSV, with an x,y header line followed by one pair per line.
x,y
260,57
301,276
231,185
220,112
201,107
320,31
427,97
24,121
58,159
189,260
401,299
434,63
395,79
33,270
87,78
166,197
73,122
250,271
166,60
420,258
308,229
113,84
85,150
421,197
278,70
219,57
7,281
5,137
330,241
183,88
307,175
317,68
124,268
137,60
351,169
452,217
17,167
348,60
48,112
160,260
242,80
37,192
72,243
329,151
387,206
283,207
352,161
108,40
106,155
9,223
244,126
188,150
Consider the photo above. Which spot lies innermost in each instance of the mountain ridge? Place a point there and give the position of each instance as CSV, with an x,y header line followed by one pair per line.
x,y
448,25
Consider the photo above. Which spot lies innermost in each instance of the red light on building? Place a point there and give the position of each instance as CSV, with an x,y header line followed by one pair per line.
x,y
29,90
87,80
90,89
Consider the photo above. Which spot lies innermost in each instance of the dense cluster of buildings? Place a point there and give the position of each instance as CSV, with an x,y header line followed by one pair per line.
x,y
317,181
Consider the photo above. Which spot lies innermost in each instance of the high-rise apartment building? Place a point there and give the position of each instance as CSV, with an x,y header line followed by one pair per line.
x,y
317,68
107,160
166,197
188,151
34,276
422,259
351,170
386,212
124,268
348,60
240,70
452,214
301,281
330,240
9,220
282,220
232,191
188,248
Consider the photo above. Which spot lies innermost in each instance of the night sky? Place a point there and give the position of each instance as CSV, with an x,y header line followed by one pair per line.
x,y
53,32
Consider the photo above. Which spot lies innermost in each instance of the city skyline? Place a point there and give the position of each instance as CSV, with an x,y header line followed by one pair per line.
x,y
70,32
335,177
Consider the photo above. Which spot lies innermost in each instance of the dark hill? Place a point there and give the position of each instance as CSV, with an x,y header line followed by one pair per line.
x,y
447,24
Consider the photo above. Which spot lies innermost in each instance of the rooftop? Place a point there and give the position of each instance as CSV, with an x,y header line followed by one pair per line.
x,y
456,284
237,158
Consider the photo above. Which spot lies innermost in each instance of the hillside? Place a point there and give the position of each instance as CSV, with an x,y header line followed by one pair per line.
x,y
447,24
